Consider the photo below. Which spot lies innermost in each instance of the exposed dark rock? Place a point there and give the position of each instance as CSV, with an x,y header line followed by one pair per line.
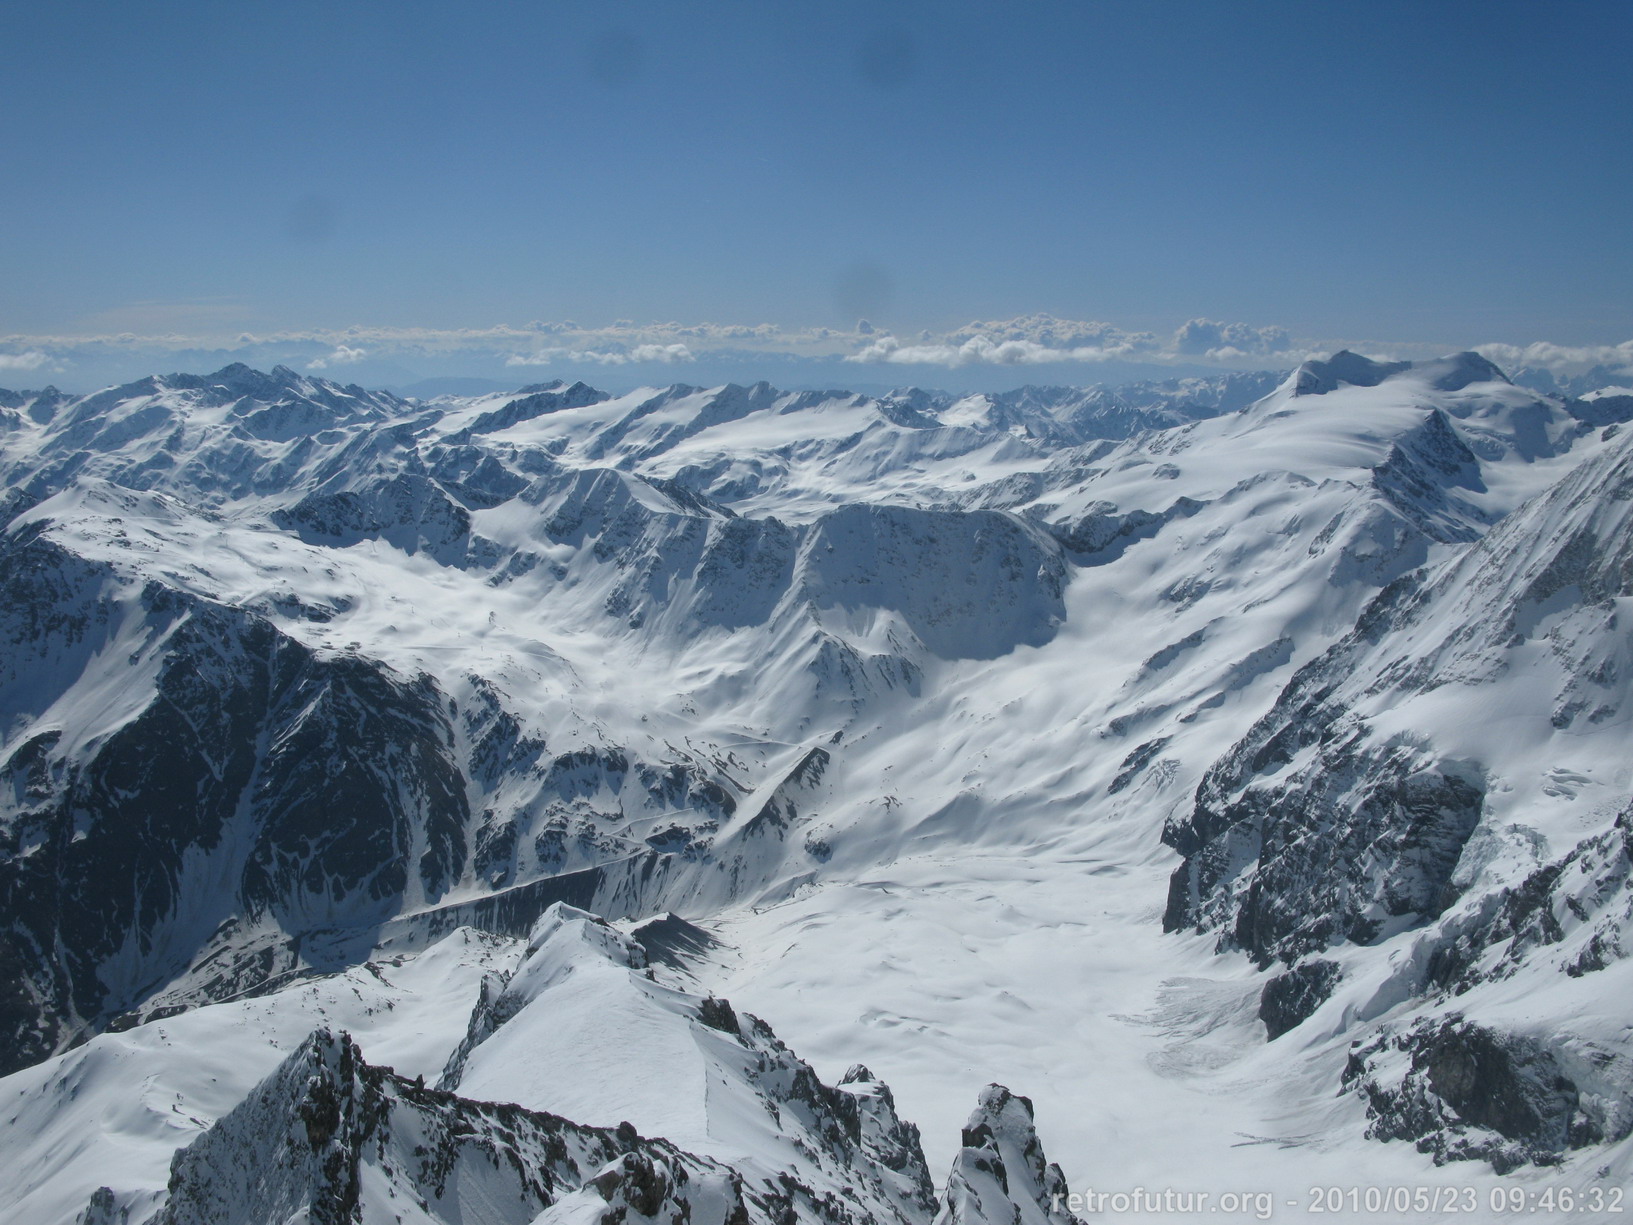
x,y
1290,997
1353,842
1587,886
1316,378
104,1209
408,511
305,779
1136,761
1102,533
1464,1091
718,1014
527,407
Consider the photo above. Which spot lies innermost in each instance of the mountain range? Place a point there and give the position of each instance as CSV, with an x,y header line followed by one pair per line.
x,y
689,805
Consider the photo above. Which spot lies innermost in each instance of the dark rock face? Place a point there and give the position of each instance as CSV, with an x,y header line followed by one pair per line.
x,y
1137,760
1354,844
322,788
104,1209
971,585
527,407
1464,1092
1421,477
411,512
1102,533
718,1014
1315,378
1292,996
1312,830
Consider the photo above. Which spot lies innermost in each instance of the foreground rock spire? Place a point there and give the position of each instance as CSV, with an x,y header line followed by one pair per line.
x,y
1000,1176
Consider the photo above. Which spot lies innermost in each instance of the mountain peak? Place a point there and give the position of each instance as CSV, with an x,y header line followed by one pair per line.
x,y
1343,368
1000,1176
1458,370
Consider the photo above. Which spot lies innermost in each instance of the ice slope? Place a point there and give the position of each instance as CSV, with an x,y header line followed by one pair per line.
x,y
897,694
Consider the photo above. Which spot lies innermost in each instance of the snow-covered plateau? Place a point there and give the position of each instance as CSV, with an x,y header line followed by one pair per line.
x,y
728,806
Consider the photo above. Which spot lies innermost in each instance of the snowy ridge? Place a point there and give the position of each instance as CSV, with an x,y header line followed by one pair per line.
x,y
731,1090
328,1138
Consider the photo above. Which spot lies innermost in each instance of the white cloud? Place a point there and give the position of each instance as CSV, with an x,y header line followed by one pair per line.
x,y
1211,338
1048,332
1029,340
32,360
1560,358
344,355
666,354
1021,342
660,353
980,349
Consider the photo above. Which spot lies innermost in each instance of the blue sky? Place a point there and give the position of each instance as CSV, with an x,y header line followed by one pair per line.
x,y
406,189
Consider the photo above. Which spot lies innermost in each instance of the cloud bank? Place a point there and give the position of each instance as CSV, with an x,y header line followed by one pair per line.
x,y
31,360
1561,358
1032,340
1210,338
981,350
663,354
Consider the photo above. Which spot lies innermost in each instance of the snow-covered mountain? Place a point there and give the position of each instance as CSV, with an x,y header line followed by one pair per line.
x,y
395,792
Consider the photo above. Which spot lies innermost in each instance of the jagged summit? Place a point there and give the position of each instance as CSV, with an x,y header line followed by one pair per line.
x,y
581,1000
330,1138
1001,1176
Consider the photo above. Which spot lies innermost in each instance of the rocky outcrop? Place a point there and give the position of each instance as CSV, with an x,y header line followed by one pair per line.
x,y
1463,1091
408,511
1354,844
1000,1176
969,585
1289,998
545,400
1576,911
637,1187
